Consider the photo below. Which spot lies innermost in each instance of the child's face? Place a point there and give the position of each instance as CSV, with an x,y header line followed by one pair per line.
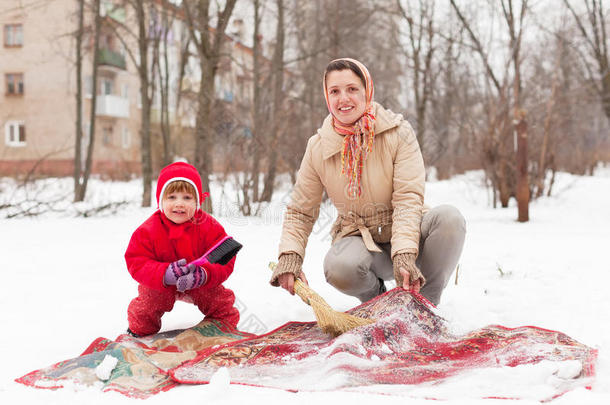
x,y
179,206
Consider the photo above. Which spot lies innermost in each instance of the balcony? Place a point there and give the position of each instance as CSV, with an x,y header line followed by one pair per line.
x,y
112,10
112,106
111,58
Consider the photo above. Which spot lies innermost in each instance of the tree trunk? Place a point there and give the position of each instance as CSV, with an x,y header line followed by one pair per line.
x,y
146,152
553,172
523,192
542,161
606,90
145,145
209,48
184,55
277,70
504,191
203,131
163,72
82,188
257,111
79,98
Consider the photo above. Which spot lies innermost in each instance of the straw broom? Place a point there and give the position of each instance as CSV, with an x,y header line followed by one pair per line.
x,y
330,321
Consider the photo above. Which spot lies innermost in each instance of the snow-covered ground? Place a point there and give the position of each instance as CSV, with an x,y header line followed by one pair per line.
x,y
64,283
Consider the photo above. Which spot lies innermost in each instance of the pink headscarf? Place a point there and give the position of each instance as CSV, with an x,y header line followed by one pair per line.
x,y
358,137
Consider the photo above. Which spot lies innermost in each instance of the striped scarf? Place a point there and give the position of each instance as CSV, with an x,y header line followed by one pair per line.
x,y
358,137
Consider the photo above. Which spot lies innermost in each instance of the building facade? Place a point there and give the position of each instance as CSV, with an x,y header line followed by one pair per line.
x,y
38,98
38,101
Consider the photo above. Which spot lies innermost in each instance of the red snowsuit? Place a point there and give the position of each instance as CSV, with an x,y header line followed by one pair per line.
x,y
153,246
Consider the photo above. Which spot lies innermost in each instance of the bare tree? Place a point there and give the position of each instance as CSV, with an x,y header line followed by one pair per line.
x,y
595,38
493,139
507,171
309,30
166,84
421,48
546,143
569,123
140,58
208,41
81,178
162,73
592,27
515,30
146,96
323,30
79,97
257,107
250,115
184,106
277,116
449,112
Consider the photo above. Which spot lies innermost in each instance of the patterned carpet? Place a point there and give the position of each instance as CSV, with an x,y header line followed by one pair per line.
x,y
409,344
143,364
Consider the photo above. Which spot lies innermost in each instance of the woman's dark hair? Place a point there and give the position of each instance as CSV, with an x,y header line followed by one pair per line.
x,y
343,64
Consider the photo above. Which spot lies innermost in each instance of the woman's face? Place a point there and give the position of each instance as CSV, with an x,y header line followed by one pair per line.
x,y
346,96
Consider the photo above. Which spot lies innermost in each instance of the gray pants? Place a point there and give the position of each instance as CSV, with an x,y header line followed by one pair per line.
x,y
354,270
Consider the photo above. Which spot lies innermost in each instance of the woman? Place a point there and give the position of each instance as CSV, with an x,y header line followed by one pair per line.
x,y
368,160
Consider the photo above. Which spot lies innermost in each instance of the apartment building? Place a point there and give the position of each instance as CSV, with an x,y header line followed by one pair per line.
x,y
37,104
38,97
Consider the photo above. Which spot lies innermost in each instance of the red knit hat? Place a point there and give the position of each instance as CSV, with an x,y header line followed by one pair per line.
x,y
179,171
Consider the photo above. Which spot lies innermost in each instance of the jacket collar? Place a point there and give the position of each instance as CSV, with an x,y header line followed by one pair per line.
x,y
332,142
175,231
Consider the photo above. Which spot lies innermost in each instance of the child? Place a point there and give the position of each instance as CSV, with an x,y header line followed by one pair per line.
x,y
159,250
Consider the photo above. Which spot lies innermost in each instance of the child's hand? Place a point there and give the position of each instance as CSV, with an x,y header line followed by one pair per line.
x,y
192,280
176,270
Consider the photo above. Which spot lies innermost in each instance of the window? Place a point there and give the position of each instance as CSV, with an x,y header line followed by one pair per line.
x,y
14,83
107,85
125,90
106,6
14,132
13,35
125,138
107,136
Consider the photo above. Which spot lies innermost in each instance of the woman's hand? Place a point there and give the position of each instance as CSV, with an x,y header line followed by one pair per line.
x,y
406,272
406,281
286,281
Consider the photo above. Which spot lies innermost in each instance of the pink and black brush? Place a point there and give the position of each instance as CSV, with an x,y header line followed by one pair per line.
x,y
220,253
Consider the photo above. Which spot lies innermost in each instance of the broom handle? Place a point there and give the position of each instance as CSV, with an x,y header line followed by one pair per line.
x,y
303,290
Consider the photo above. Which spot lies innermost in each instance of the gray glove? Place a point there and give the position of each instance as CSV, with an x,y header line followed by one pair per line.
x,y
288,263
407,261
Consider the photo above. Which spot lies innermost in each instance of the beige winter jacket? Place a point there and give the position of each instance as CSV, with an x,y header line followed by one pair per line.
x,y
391,204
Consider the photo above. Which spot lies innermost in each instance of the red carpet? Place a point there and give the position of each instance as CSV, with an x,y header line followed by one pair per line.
x,y
409,344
